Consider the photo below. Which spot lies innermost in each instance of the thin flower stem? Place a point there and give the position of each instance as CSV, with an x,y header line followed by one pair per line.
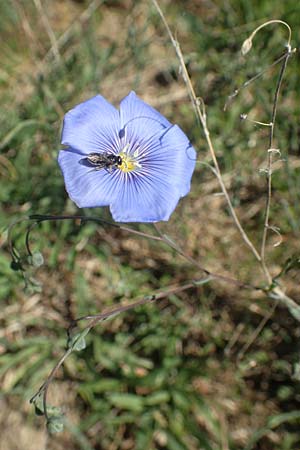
x,y
145,300
160,238
45,386
251,80
42,218
48,28
201,116
27,237
269,168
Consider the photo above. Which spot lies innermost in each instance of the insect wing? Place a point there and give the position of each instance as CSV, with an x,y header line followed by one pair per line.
x,y
97,159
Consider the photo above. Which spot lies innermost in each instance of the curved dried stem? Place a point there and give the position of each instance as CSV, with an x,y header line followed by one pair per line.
x,y
247,45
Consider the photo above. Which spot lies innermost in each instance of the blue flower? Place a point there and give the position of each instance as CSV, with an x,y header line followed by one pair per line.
x,y
133,160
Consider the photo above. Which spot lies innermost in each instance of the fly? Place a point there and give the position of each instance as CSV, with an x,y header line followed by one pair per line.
x,y
107,161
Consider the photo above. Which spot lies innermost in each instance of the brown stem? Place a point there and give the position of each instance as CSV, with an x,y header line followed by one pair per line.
x,y
269,168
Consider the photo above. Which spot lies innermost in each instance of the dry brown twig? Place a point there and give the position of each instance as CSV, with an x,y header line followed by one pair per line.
x,y
48,28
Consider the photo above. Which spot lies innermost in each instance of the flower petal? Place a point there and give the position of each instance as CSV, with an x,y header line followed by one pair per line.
x,y
169,156
158,159
140,121
174,158
143,200
92,126
87,188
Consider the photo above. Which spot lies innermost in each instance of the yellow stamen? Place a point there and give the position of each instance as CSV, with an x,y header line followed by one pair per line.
x,y
129,162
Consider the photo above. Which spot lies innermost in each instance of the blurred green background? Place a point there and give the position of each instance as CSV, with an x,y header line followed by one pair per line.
x,y
192,371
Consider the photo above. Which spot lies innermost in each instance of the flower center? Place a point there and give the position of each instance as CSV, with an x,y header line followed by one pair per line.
x,y
129,160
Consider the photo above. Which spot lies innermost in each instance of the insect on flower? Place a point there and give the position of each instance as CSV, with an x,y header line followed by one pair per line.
x,y
133,160
104,161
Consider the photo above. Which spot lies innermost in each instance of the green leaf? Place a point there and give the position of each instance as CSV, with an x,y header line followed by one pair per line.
x,y
54,411
38,405
102,385
127,401
78,342
55,424
157,398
